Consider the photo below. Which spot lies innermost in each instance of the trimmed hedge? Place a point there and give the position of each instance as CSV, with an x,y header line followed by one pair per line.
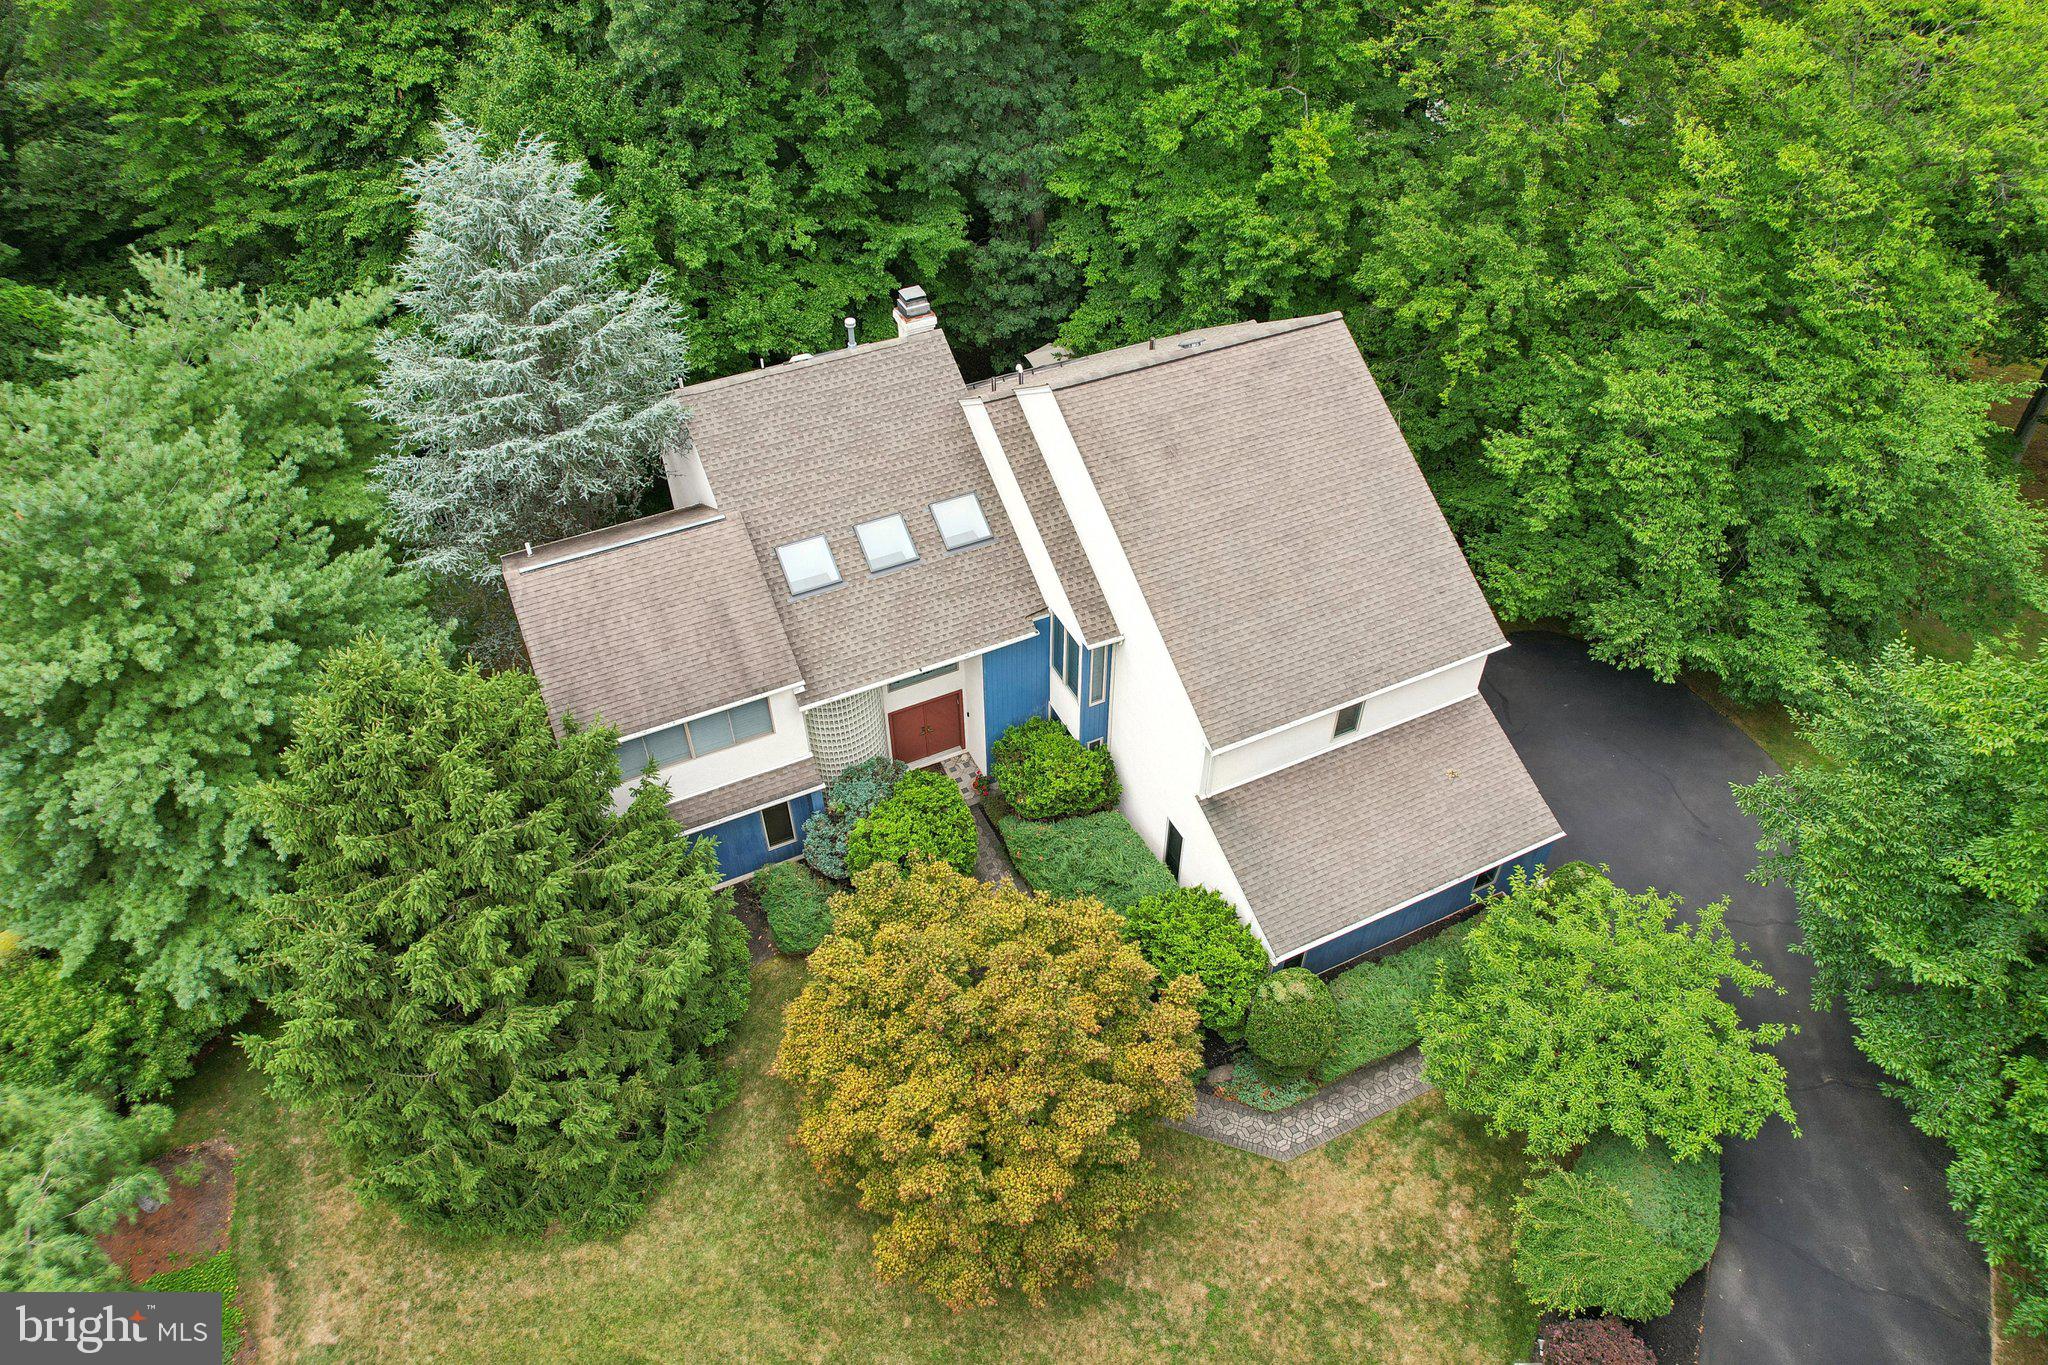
x,y
1192,931
214,1275
1044,773
851,796
796,905
1096,855
926,816
1619,1232
1376,1002
1292,1024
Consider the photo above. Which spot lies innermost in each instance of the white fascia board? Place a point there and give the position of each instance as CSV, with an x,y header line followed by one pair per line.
x,y
921,668
699,715
1019,511
575,555
1358,701
1396,909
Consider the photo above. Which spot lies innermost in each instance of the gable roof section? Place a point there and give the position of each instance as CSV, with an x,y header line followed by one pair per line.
x,y
1388,819
651,621
1055,527
814,447
1284,537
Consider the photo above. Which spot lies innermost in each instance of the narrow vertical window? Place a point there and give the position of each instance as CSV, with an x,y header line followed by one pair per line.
x,y
1098,675
1173,850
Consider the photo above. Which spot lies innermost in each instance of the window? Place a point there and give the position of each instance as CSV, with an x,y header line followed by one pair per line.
x,y
779,825
1347,719
1066,657
1098,675
960,521
704,735
914,679
886,543
1173,851
1098,743
1482,885
808,565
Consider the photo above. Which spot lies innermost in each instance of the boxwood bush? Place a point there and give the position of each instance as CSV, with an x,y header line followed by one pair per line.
x,y
1044,773
925,816
1192,931
1619,1232
852,795
1096,855
796,905
1376,1002
1292,1023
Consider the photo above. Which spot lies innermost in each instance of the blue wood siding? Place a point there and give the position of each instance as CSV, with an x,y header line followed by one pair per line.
x,y
1016,682
1408,919
743,843
1095,719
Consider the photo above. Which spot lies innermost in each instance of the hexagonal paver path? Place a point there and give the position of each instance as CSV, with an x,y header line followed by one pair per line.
x,y
1330,1113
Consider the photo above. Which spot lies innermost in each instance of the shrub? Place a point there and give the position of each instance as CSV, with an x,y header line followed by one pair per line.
x,y
1261,1088
1046,774
214,1275
1593,1341
796,905
851,796
1576,1008
1098,856
1619,1232
984,1066
1377,1002
1292,1024
926,816
95,1029
1192,931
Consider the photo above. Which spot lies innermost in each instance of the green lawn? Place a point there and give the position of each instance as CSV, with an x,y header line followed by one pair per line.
x,y
1391,1243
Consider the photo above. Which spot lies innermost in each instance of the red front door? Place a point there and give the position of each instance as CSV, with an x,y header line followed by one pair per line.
x,y
928,728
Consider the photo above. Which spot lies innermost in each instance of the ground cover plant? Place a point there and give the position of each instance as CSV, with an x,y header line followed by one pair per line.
x,y
796,905
1619,1231
1192,931
1377,1002
1098,856
214,1275
925,816
983,1065
1044,773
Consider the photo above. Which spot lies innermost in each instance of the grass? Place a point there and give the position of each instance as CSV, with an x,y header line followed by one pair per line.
x,y
1391,1243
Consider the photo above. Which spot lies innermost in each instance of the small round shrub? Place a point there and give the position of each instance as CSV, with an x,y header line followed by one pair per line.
x,y
1192,931
1292,1024
1594,1341
1619,1232
852,795
926,816
796,904
1044,773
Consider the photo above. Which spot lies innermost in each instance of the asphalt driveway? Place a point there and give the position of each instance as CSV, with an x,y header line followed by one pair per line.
x,y
1835,1246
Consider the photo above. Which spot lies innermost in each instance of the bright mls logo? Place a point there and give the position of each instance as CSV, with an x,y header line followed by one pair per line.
x,y
165,1329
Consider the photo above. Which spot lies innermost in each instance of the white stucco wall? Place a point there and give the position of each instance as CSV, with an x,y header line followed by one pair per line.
x,y
787,743
1153,732
687,485
1309,737
1065,704
1019,512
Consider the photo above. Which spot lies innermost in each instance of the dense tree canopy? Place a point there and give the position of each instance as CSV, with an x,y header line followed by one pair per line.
x,y
1918,850
499,993
982,1065
69,1171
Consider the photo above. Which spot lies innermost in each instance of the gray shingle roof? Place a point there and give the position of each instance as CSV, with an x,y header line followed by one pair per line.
x,y
1285,539
1377,823
650,621
749,793
1055,527
816,446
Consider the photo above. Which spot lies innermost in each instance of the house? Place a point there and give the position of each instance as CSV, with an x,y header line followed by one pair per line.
x,y
1212,552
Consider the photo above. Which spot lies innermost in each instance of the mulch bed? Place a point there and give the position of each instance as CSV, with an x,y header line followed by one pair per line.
x,y
192,1226
746,907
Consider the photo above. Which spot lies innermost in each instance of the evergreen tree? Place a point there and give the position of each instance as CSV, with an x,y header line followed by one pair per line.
x,y
166,598
531,394
499,992
69,1171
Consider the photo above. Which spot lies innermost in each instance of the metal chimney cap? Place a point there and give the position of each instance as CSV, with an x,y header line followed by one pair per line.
x,y
912,302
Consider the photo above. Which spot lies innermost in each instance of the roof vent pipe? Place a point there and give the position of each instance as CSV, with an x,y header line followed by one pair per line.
x,y
852,338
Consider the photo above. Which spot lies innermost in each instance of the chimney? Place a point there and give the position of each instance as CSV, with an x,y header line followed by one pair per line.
x,y
913,311
852,334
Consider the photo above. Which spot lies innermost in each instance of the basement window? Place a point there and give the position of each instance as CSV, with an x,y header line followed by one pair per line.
x,y
808,565
778,826
960,521
886,543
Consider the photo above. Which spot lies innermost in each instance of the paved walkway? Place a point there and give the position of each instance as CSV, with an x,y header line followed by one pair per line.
x,y
991,860
1836,1246
1330,1113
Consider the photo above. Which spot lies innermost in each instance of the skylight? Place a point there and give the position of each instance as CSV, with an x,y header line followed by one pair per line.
x,y
808,565
960,521
886,543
